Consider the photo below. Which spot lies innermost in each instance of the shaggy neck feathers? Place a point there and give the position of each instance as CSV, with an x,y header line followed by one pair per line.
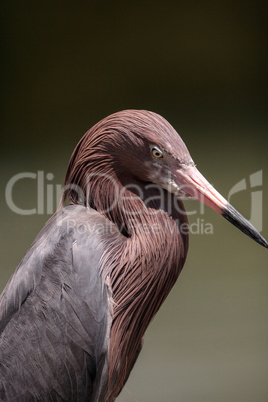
x,y
145,263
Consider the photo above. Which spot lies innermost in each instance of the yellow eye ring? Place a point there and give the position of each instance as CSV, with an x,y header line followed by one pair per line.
x,y
156,152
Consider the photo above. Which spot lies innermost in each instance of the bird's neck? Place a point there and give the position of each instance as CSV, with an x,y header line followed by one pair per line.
x,y
143,266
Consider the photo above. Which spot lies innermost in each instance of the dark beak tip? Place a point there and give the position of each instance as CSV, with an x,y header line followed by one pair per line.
x,y
233,216
261,240
265,244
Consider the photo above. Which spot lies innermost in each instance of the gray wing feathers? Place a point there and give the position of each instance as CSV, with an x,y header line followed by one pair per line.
x,y
56,316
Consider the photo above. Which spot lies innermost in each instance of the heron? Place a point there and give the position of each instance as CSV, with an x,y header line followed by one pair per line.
x,y
74,313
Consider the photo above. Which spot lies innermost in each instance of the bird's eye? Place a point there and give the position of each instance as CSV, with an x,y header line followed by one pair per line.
x,y
156,152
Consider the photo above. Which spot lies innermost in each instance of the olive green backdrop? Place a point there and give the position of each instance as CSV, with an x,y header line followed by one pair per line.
x,y
203,66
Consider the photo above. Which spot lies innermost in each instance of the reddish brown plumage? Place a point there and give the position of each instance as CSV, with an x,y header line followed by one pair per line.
x,y
143,262
74,313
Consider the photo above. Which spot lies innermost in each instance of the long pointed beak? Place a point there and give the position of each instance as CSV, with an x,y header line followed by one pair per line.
x,y
193,183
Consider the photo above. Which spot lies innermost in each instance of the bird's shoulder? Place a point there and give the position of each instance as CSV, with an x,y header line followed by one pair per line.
x,y
67,251
56,312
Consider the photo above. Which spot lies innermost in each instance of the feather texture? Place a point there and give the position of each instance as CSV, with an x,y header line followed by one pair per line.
x,y
54,334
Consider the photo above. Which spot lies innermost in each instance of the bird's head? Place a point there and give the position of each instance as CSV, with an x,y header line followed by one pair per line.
x,y
144,146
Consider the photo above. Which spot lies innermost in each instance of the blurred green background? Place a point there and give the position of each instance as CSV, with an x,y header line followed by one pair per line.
x,y
203,66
